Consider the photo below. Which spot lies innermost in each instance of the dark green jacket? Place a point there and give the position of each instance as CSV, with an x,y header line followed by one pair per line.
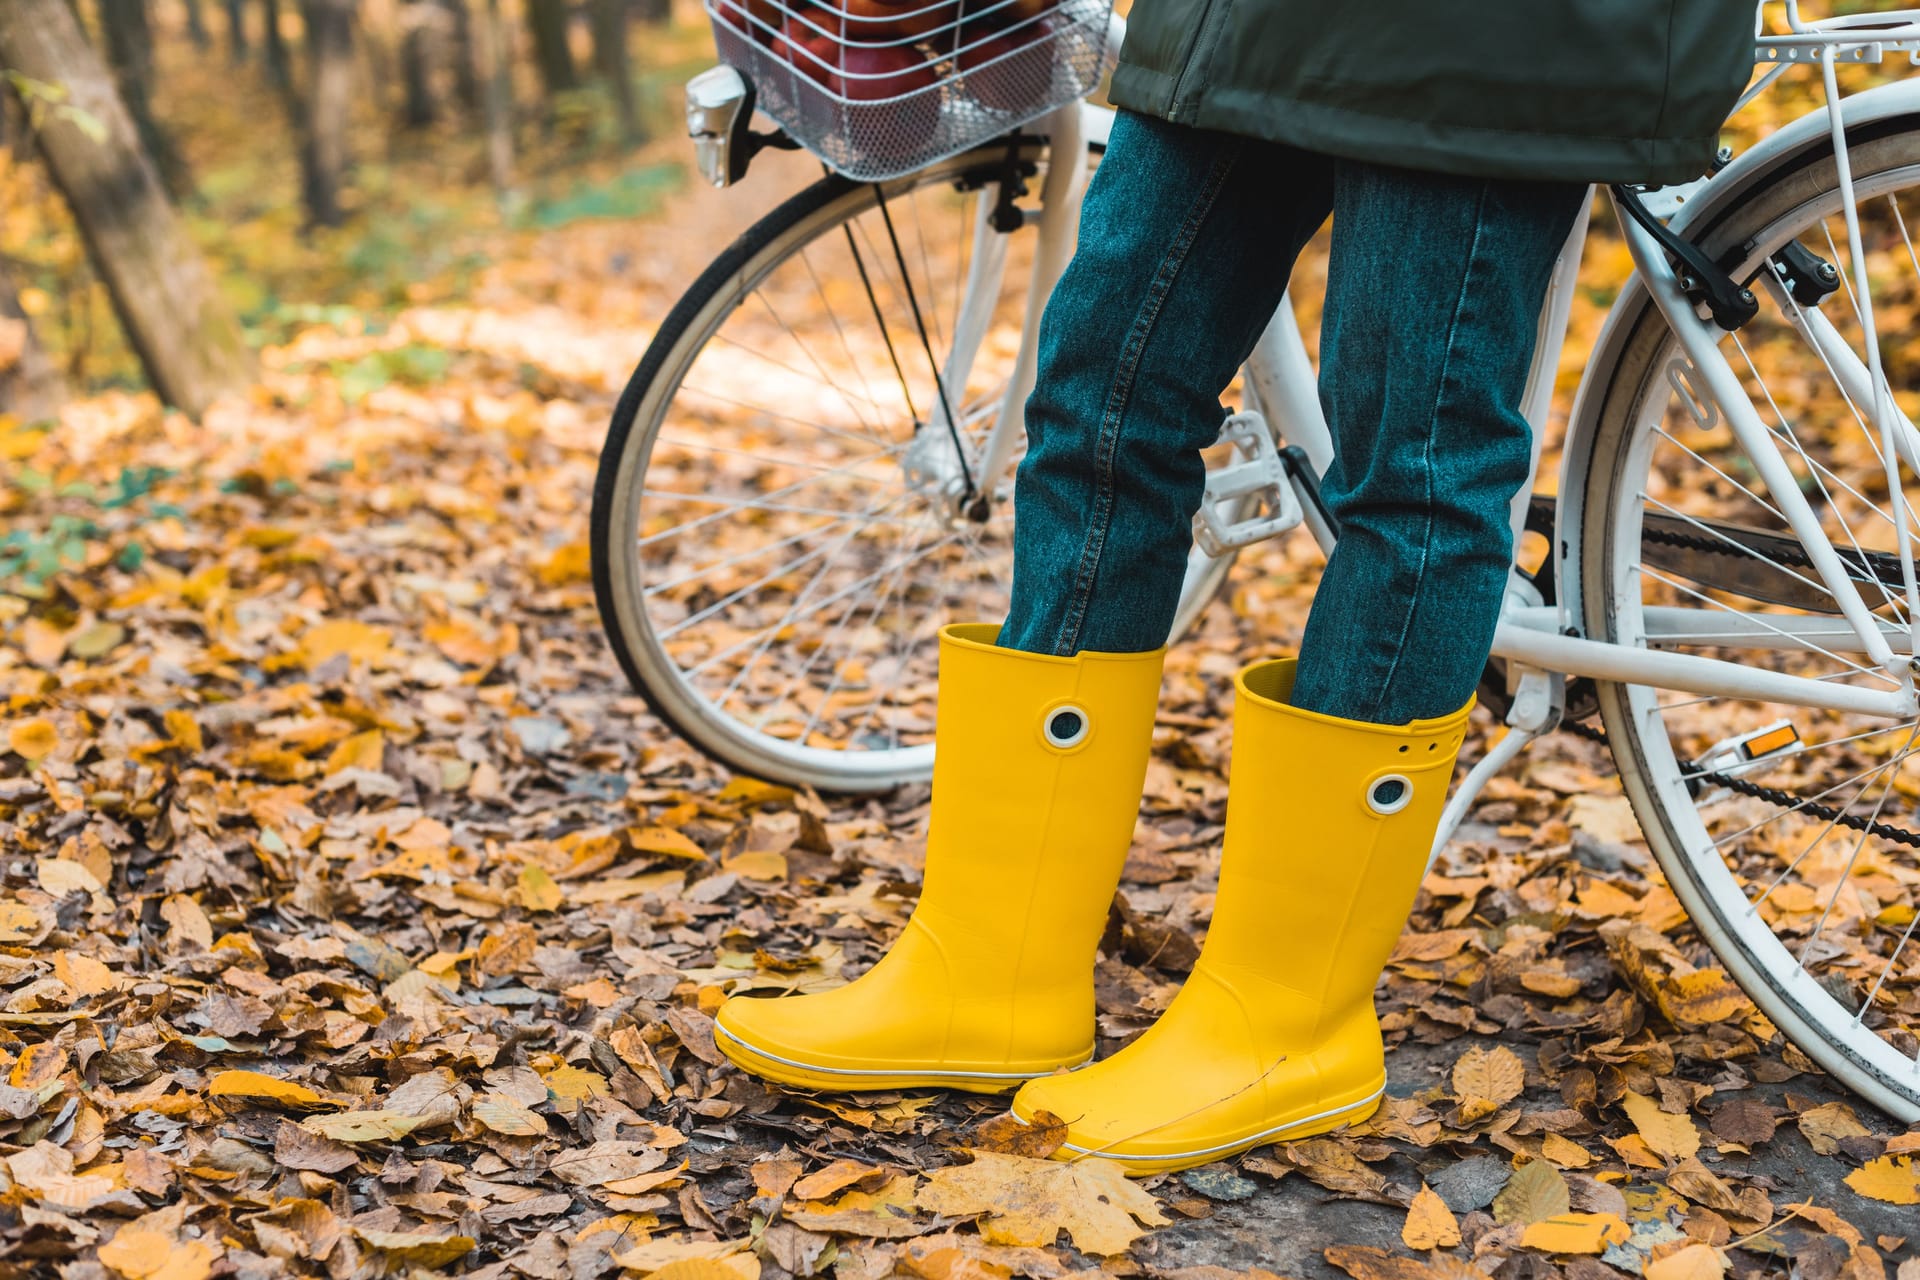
x,y
1582,90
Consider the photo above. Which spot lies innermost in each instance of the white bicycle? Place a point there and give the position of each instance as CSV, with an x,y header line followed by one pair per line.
x,y
811,472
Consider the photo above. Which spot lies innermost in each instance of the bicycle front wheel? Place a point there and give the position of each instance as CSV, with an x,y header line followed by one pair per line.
x,y
1791,835
780,523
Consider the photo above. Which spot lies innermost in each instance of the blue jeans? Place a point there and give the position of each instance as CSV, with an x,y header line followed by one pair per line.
x,y
1433,293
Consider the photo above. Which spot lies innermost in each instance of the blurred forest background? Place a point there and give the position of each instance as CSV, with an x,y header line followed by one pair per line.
x,y
183,182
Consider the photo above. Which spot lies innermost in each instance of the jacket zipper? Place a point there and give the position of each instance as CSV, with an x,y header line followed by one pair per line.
x,y
1201,45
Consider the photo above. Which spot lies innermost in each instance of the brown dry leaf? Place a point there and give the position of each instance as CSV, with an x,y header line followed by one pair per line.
x,y
1892,1179
33,739
1430,1224
1030,1202
1334,1166
504,1115
835,1177
420,1248
1674,1136
1008,1134
1364,1262
363,1126
1701,997
1824,1127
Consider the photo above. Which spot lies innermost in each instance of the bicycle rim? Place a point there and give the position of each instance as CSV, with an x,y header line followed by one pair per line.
x,y
1776,824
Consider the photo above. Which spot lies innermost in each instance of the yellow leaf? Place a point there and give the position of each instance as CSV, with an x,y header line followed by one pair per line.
x,y
757,864
571,563
1565,1152
359,641
668,1257
1430,1224
33,739
537,889
1890,1178
141,1252
257,1086
503,1115
664,841
1030,1202
61,876
20,923
183,729
363,1126
422,1248
187,924
1675,1137
361,751
1534,1193
1703,996
1695,1262
1575,1233
1486,1079
39,1064
574,1085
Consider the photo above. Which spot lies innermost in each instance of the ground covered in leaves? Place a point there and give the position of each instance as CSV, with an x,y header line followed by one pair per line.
x,y
357,920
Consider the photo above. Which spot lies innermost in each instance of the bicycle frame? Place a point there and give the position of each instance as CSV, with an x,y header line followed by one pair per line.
x,y
1280,381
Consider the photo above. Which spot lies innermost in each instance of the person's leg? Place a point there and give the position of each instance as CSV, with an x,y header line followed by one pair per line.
x,y
1188,238
1041,749
1433,295
1330,811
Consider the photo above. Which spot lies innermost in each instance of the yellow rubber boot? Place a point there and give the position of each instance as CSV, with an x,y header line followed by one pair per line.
x,y
1329,823
1038,767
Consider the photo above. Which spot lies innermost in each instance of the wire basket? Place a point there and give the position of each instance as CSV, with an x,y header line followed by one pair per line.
x,y
878,89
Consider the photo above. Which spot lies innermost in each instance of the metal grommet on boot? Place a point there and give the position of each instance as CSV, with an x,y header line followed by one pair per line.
x,y
1065,726
1389,793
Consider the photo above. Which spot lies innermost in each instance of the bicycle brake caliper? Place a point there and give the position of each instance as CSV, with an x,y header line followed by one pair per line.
x,y
1251,496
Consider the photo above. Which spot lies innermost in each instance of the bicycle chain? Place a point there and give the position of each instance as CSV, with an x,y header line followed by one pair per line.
x,y
1772,795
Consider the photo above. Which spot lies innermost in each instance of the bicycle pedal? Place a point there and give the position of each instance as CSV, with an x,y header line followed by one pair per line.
x,y
1251,497
1732,755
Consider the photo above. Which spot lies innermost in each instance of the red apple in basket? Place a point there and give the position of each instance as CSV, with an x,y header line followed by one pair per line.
x,y
812,53
756,18
1003,13
888,21
1009,70
870,73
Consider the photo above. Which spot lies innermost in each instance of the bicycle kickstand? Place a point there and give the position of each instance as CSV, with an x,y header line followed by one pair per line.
x,y
1538,700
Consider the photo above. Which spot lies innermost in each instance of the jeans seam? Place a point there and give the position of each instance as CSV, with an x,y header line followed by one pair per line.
x,y
1426,454
1120,397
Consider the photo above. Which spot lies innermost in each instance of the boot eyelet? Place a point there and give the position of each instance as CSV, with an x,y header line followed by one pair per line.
x,y
1390,793
1065,726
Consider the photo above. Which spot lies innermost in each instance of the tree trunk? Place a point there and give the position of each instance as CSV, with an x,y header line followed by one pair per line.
x,y
174,317
465,55
419,43
237,31
129,41
547,19
496,56
197,26
29,388
610,61
328,102
279,63
654,12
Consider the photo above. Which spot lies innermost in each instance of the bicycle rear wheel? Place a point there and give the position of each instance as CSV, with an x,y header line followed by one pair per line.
x,y
776,534
1790,835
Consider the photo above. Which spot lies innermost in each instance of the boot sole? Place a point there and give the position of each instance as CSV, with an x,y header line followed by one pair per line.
x,y
796,1074
1141,1166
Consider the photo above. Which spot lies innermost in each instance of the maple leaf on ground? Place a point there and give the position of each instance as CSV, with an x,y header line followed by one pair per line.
x,y
1893,1179
1030,1202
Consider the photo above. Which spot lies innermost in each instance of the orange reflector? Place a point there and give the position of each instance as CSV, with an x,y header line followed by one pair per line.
x,y
1770,741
